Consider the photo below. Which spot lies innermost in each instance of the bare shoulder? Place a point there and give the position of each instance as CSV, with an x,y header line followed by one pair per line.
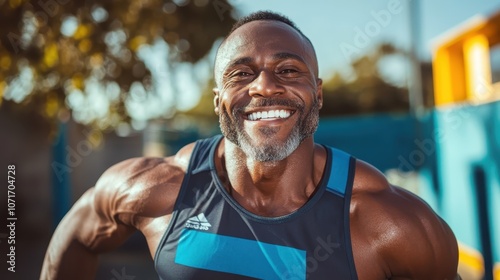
x,y
399,230
142,186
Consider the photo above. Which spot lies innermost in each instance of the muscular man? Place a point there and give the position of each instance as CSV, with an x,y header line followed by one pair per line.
x,y
263,200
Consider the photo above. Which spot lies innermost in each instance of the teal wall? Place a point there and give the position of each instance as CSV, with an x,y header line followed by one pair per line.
x,y
468,156
377,139
456,153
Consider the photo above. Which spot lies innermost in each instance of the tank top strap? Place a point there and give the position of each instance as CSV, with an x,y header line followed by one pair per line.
x,y
340,172
201,157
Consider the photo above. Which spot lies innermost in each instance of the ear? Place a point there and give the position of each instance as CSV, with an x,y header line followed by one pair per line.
x,y
216,100
319,92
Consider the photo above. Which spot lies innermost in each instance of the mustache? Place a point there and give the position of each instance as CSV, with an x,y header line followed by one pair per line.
x,y
267,102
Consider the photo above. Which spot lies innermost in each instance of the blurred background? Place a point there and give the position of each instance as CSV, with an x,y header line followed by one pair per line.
x,y
409,86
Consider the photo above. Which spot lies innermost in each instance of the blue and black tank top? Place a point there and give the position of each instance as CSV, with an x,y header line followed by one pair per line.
x,y
211,236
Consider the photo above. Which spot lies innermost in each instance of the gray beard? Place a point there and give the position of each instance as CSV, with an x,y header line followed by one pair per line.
x,y
271,150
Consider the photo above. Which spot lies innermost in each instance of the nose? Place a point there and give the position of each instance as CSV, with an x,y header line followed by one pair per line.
x,y
265,85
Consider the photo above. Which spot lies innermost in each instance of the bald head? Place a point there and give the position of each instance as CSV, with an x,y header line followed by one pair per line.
x,y
258,29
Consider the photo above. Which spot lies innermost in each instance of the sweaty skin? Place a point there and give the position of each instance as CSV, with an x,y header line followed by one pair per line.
x,y
395,235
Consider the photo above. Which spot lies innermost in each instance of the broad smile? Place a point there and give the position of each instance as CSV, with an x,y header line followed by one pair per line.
x,y
269,115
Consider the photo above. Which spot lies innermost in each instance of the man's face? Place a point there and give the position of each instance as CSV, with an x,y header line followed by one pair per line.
x,y
268,95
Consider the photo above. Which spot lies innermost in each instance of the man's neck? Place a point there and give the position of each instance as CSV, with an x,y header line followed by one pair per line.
x,y
271,188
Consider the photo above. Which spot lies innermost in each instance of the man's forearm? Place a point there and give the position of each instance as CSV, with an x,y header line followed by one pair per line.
x,y
66,256
72,262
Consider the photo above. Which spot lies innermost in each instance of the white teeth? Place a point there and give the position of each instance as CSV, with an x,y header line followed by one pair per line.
x,y
272,114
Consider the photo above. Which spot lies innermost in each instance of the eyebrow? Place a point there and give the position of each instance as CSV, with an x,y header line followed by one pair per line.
x,y
239,61
277,56
286,55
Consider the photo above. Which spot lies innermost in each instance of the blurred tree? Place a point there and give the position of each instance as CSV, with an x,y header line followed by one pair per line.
x,y
84,57
202,117
204,109
367,92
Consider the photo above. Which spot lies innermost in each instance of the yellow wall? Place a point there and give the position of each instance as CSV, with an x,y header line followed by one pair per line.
x,y
461,63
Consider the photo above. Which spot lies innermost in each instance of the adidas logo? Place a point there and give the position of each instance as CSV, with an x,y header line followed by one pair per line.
x,y
198,222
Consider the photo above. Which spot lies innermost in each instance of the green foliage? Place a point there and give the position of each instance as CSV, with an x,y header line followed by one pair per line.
x,y
50,48
367,92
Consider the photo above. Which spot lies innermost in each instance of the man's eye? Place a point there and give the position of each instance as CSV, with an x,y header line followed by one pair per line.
x,y
288,71
241,74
